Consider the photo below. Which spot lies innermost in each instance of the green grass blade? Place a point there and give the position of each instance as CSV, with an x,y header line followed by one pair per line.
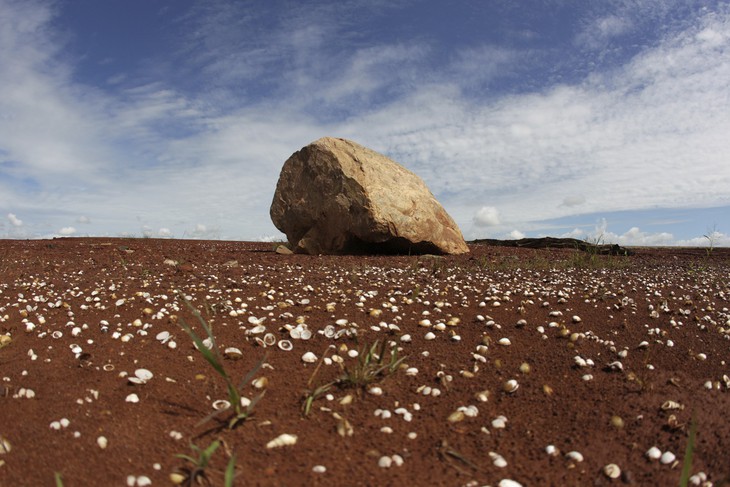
x,y
186,457
688,453
59,480
251,373
230,472
207,353
208,452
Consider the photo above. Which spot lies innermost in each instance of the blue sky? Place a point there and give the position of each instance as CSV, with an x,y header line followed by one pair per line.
x,y
172,118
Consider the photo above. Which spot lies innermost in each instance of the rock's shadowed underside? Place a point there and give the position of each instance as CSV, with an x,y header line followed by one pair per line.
x,y
337,197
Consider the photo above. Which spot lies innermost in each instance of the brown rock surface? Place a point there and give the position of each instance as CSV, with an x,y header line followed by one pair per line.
x,y
335,196
57,295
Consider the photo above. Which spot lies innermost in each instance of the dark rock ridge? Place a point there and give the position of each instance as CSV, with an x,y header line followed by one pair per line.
x,y
559,243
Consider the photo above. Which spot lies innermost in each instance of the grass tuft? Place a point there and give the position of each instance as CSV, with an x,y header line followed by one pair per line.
x,y
196,471
213,356
372,366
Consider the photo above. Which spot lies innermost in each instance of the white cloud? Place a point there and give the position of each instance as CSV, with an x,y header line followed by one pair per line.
x,y
710,240
14,220
83,219
66,231
575,200
486,216
204,232
516,235
602,30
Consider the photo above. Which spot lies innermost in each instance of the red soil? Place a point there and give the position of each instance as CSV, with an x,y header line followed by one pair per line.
x,y
93,290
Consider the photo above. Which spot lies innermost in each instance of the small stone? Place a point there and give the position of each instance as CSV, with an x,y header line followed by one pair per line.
x,y
102,442
497,459
612,471
667,458
654,453
575,456
309,358
508,483
284,439
385,462
283,250
319,469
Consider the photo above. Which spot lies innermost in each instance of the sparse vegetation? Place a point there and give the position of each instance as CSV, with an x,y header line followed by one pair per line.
x,y
688,453
240,411
195,472
373,365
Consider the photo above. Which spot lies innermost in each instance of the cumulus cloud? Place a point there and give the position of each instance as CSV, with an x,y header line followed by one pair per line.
x,y
486,216
66,231
709,240
14,220
204,232
516,235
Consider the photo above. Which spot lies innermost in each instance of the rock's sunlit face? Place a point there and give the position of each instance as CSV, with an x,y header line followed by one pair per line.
x,y
356,201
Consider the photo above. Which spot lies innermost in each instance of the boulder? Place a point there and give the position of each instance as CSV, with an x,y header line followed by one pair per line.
x,y
337,197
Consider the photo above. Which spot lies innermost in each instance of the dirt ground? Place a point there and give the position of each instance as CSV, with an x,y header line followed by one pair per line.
x,y
501,367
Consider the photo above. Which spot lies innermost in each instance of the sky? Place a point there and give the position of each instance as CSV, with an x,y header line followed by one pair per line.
x,y
594,119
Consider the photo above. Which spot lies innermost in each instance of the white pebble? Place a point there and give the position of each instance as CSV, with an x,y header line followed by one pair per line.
x,y
102,442
574,455
497,459
385,462
667,458
284,439
411,371
309,358
134,398
654,453
612,471
319,469
508,483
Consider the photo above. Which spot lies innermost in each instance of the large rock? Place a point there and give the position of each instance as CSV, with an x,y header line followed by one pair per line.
x,y
335,196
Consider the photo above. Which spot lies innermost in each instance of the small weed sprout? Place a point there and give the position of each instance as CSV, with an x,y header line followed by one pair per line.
x,y
371,367
313,394
196,472
711,237
213,357
688,453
